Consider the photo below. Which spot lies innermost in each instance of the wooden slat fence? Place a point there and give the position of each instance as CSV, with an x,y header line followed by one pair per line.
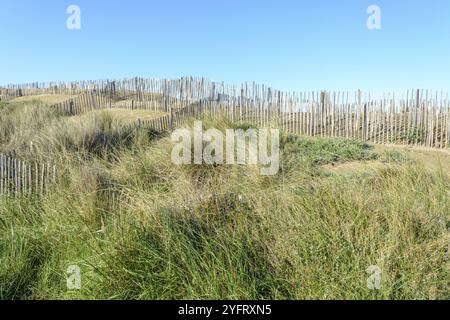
x,y
417,117
165,123
20,178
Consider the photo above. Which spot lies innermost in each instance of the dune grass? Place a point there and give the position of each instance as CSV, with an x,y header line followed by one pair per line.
x,y
124,115
48,99
218,232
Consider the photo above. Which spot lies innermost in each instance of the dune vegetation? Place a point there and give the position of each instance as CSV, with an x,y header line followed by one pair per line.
x,y
140,227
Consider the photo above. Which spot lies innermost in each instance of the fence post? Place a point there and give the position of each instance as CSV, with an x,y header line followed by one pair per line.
x,y
171,118
165,96
322,113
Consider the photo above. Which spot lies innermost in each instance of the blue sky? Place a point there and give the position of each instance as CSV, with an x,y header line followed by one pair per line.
x,y
288,44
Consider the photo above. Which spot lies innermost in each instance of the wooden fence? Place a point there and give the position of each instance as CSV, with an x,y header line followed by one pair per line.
x,y
166,123
385,121
417,117
18,178
6,94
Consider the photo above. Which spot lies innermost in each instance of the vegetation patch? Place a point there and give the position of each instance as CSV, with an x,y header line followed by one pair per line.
x,y
48,99
140,227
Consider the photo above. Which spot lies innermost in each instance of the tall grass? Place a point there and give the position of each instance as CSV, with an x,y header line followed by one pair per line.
x,y
218,232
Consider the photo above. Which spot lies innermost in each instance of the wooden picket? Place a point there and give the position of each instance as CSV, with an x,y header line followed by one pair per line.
x,y
20,178
417,117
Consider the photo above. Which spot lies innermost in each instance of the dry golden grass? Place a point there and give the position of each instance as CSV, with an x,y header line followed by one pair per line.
x,y
434,159
430,159
123,115
45,98
355,167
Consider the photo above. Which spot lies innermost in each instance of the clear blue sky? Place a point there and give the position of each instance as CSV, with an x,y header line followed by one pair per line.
x,y
288,44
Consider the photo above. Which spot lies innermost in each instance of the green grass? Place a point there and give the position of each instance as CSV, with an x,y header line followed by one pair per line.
x,y
217,232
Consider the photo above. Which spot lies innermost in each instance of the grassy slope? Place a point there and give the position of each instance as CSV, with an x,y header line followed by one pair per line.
x,y
48,99
220,232
125,115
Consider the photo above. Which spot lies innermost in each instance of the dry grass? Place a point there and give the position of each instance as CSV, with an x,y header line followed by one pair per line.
x,y
123,115
433,160
355,167
48,99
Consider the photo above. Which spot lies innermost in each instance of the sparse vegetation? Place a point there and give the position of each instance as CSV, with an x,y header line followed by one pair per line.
x,y
415,136
217,232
